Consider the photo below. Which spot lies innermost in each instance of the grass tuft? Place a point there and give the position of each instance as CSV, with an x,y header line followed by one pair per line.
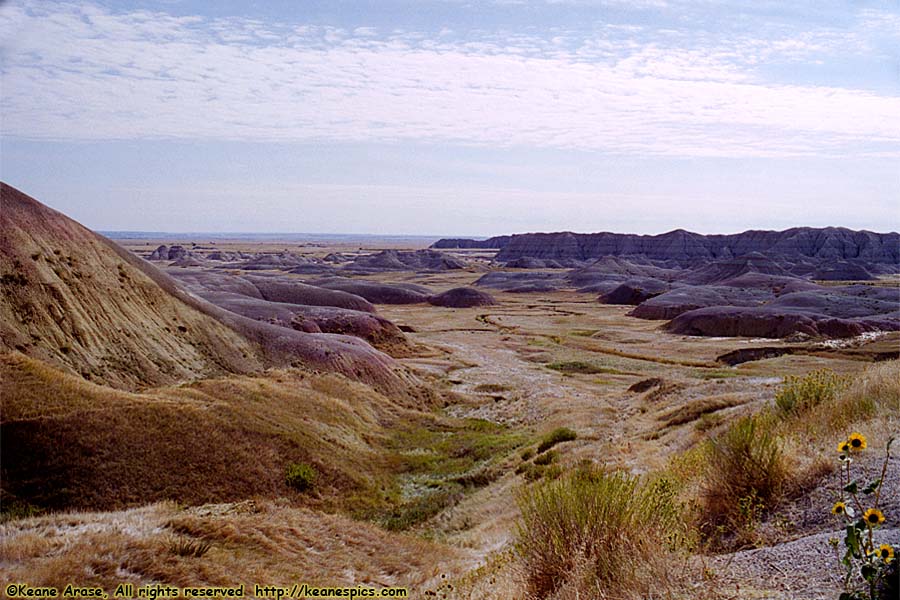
x,y
746,473
590,530
188,548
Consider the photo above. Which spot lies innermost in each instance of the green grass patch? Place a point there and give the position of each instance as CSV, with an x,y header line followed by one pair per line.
x,y
449,457
557,436
717,374
580,367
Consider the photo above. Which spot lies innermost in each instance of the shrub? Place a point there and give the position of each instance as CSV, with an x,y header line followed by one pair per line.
x,y
300,476
546,458
801,394
590,530
745,476
527,453
559,435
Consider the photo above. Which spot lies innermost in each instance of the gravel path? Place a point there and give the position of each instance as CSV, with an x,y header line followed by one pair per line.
x,y
804,569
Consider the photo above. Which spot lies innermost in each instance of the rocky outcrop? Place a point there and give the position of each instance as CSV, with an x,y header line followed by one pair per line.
x,y
164,252
495,242
396,260
775,322
683,248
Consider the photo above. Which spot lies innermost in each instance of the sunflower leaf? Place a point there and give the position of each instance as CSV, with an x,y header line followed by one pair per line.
x,y
872,487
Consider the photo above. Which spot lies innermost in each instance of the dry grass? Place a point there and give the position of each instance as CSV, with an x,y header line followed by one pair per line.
x,y
745,477
694,410
873,393
249,542
599,535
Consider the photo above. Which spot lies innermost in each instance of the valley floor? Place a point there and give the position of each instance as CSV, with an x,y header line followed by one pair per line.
x,y
533,363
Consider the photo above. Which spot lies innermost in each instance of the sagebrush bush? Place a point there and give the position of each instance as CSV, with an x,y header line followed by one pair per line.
x,y
590,530
746,473
800,394
558,435
300,476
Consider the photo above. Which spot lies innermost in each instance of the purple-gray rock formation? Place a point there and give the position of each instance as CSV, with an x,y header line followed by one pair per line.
x,y
683,248
462,297
376,293
635,291
396,260
522,281
490,243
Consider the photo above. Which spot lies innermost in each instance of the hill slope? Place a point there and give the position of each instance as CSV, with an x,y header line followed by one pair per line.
x,y
79,301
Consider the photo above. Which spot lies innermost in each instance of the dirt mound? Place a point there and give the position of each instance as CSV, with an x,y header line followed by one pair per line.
x,y
164,252
294,292
283,261
775,322
376,293
507,281
526,262
396,260
376,330
731,268
635,291
463,297
683,299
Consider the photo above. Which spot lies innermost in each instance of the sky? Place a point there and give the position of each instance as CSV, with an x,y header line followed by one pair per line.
x,y
454,117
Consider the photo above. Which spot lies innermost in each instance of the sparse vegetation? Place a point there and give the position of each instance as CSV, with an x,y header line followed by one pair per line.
x,y
557,436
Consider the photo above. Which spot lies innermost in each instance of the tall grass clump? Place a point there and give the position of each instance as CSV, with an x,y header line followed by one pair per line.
x,y
598,534
746,474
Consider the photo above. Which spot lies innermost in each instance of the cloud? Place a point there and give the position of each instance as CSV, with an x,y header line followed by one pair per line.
x,y
81,72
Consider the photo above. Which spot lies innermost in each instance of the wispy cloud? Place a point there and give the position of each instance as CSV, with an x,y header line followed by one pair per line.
x,y
81,72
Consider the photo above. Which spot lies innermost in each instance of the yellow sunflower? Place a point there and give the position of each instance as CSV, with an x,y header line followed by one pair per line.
x,y
839,508
843,447
886,552
857,441
873,516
